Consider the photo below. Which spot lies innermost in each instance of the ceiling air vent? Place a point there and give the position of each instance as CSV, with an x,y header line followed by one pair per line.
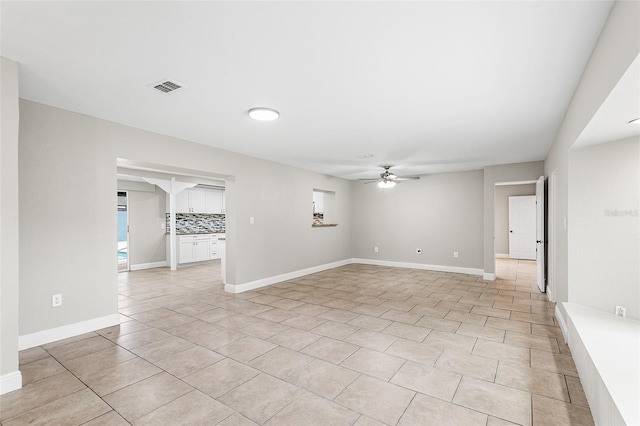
x,y
166,86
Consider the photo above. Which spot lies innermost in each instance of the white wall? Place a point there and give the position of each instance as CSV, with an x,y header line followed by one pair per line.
x,y
501,211
68,221
10,378
519,172
440,213
604,206
617,47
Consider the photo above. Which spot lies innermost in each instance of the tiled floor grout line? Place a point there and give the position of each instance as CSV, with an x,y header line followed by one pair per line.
x,y
410,285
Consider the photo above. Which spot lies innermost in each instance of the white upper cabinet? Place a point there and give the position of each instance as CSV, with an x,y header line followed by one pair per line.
x,y
199,200
318,202
214,200
182,202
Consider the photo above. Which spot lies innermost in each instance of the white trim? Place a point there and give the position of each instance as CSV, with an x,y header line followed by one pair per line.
x,y
140,266
10,382
54,334
439,268
488,276
252,285
562,323
519,182
502,255
263,282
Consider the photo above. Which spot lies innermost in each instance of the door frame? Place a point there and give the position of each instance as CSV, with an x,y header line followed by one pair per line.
x,y
541,237
126,196
552,230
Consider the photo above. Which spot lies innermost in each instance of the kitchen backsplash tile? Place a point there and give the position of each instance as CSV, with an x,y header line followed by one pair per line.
x,y
197,223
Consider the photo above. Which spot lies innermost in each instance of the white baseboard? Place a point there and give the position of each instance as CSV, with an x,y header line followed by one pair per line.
x,y
54,334
562,323
439,268
488,276
252,285
10,382
502,255
140,266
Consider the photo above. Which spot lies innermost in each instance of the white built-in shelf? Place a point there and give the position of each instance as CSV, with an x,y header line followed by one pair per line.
x,y
606,350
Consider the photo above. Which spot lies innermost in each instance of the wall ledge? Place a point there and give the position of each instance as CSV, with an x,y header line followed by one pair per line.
x,y
606,351
54,334
10,382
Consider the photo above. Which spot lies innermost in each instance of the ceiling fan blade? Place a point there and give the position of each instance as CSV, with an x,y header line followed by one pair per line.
x,y
374,179
408,178
371,181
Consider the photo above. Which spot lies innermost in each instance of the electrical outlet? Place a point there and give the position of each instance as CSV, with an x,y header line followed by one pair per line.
x,y
418,251
455,254
621,311
56,300
375,249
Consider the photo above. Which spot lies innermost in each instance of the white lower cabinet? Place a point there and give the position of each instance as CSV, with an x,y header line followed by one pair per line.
x,y
213,247
193,248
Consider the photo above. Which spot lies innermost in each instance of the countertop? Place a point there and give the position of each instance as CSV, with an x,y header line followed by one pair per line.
x,y
219,234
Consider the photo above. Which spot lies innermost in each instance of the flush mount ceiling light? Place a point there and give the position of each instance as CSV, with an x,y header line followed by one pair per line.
x,y
263,114
635,121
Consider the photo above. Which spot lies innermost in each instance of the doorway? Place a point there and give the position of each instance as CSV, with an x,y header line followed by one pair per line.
x,y
123,232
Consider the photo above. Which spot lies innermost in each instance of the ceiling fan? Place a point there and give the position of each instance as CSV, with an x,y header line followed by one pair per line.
x,y
388,180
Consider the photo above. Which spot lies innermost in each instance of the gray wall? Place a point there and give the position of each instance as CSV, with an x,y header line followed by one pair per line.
x,y
68,226
9,237
617,47
501,211
604,198
440,213
519,172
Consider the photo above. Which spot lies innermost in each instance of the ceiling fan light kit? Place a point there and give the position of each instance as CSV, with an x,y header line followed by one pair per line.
x,y
388,180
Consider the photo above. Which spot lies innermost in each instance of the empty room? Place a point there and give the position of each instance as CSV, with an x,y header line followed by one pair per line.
x,y
320,213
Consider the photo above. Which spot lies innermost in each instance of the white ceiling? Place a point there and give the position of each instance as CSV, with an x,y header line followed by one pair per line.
x,y
426,86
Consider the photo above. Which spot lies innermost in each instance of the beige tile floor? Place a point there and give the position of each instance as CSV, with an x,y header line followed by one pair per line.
x,y
363,345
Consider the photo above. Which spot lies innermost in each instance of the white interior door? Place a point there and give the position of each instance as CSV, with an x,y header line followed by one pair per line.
x,y
540,279
522,227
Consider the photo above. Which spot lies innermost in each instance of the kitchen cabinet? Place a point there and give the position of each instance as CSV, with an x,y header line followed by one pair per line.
x,y
193,248
213,246
214,200
182,202
200,200
318,202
